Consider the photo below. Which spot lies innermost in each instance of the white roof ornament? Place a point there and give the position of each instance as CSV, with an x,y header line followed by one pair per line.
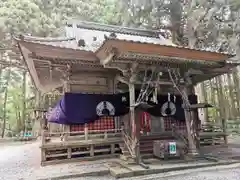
x,y
233,60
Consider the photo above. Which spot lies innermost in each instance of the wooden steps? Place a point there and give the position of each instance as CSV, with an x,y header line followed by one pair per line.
x,y
146,147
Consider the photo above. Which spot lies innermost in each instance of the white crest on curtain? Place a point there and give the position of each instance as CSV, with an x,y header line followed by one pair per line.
x,y
169,104
105,105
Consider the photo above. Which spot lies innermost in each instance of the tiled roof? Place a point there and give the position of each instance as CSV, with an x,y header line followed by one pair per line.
x,y
63,42
95,34
95,38
115,29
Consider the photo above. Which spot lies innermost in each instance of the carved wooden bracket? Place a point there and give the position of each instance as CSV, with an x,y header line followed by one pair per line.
x,y
119,66
133,71
110,54
122,79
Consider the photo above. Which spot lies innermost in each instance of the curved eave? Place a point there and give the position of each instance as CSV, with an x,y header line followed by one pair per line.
x,y
153,59
33,73
55,52
33,77
125,47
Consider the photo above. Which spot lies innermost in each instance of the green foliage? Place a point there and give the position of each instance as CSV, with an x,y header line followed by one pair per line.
x,y
14,105
235,4
46,17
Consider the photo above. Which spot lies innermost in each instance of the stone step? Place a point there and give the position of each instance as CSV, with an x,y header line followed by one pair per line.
x,y
119,171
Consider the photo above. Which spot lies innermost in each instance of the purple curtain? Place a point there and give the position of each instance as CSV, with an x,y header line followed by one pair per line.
x,y
78,108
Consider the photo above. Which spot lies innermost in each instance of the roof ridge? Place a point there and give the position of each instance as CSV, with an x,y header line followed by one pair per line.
x,y
114,28
44,39
44,43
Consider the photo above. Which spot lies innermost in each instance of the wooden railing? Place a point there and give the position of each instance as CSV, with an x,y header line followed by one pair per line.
x,y
86,145
83,135
233,126
213,134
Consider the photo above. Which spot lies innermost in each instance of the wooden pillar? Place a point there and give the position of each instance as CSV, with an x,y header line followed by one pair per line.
x,y
132,110
66,88
44,125
44,134
86,131
37,117
190,123
132,115
196,120
135,128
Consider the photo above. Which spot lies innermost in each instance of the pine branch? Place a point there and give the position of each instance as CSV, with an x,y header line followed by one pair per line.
x,y
12,64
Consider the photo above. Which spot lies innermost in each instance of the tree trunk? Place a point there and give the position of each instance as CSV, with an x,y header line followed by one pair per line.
x,y
204,94
225,90
218,100
18,118
213,99
221,99
5,103
236,91
4,111
231,97
24,100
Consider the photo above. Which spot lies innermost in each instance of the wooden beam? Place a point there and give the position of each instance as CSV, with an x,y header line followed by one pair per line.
x,y
122,66
122,79
161,82
118,66
200,105
30,65
194,72
223,70
233,61
125,80
108,59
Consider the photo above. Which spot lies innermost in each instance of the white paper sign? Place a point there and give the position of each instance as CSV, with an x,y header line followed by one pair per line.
x,y
172,147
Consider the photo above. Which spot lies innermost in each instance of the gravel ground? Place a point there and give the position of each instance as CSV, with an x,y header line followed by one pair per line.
x,y
20,159
17,159
226,174
230,174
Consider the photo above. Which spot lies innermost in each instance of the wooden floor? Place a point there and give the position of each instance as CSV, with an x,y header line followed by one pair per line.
x,y
99,146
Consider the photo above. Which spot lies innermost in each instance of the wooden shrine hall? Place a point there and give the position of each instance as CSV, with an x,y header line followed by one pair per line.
x,y
157,77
